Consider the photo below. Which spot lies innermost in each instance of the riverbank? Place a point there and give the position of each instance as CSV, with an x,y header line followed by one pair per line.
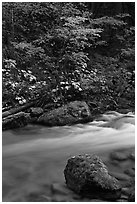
x,y
68,114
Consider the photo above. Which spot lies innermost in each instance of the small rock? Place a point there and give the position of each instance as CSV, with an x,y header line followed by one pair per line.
x,y
130,172
115,163
119,156
89,177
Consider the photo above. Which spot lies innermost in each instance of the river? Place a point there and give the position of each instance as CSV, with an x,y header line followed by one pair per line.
x,y
34,156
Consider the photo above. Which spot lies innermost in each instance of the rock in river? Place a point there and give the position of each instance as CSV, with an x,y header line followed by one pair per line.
x,y
88,176
71,113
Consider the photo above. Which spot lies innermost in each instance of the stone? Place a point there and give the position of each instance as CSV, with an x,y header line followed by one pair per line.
x,y
71,113
130,172
37,111
17,120
88,176
119,156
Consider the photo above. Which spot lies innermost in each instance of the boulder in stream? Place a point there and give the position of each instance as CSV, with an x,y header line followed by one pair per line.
x,y
71,113
88,176
17,120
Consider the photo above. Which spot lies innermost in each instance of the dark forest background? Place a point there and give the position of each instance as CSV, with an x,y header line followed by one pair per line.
x,y
56,52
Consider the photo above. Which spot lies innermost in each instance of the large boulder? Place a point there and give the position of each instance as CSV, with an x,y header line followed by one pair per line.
x,y
17,120
71,113
88,176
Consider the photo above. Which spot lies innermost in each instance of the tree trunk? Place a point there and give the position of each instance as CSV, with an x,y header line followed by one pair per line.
x,y
16,110
15,121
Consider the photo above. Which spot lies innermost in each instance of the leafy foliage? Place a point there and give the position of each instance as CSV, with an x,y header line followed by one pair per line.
x,y
57,51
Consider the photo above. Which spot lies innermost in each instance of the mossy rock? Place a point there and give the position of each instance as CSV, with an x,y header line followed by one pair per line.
x,y
71,113
88,176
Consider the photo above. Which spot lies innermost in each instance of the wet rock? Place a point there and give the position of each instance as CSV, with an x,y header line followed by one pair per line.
x,y
73,112
119,156
17,120
88,176
115,163
35,112
130,172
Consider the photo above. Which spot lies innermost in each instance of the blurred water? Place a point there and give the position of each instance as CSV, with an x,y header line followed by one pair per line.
x,y
35,155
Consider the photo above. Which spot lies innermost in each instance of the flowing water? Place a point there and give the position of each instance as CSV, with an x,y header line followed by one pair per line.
x,y
34,157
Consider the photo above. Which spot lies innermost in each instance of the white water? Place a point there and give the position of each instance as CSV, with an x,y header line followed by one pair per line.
x,y
36,156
